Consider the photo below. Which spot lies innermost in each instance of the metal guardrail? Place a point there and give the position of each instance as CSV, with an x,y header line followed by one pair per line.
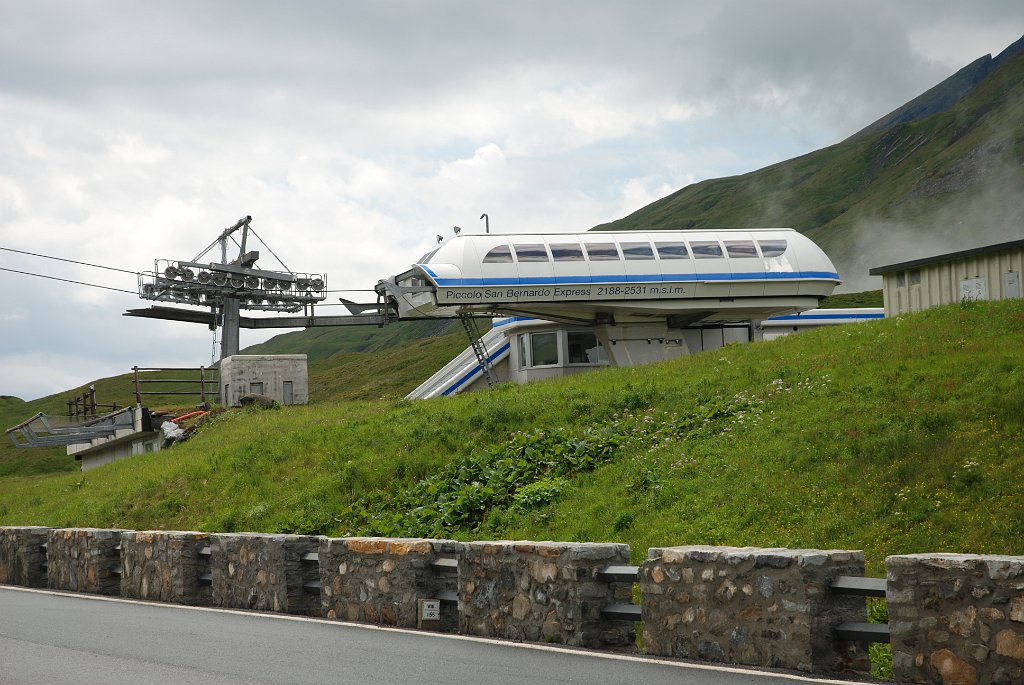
x,y
446,566
857,586
312,587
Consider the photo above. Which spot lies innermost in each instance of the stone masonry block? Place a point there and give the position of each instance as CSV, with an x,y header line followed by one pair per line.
x,y
23,555
380,580
84,560
264,572
760,607
542,591
957,618
165,566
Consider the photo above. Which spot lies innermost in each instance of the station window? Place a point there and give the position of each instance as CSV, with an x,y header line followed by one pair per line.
x,y
772,248
500,254
637,251
672,250
543,349
522,351
915,277
901,279
602,252
706,249
742,249
256,388
583,348
532,252
567,252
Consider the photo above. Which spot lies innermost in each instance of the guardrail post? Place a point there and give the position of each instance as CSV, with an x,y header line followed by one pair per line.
x,y
956,618
760,607
84,560
543,591
23,555
164,566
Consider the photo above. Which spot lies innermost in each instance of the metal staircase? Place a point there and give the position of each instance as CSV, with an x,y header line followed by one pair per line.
x,y
479,349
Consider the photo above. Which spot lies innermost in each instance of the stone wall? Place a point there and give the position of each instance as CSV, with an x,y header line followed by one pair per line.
x,y
84,560
264,572
542,591
956,618
761,607
380,580
165,566
23,555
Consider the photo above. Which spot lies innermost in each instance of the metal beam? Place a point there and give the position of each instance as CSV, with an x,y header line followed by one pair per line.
x,y
624,574
863,632
624,612
858,586
192,316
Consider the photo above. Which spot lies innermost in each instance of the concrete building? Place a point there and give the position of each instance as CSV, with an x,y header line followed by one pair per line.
x,y
983,273
132,432
282,377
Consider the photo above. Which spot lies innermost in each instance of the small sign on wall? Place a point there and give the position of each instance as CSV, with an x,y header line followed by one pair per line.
x,y
429,614
973,289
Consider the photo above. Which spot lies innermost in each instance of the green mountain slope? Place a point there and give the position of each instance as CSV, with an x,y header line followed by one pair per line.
x,y
322,343
949,181
894,436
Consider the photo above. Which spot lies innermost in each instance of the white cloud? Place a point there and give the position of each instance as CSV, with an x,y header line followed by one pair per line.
x,y
355,132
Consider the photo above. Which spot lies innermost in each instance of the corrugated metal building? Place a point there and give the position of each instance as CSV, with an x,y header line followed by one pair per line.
x,y
983,273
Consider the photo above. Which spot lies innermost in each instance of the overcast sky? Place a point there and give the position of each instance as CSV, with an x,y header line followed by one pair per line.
x,y
354,132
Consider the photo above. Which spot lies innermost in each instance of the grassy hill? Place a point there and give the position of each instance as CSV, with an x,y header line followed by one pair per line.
x,y
948,181
323,343
345,364
894,436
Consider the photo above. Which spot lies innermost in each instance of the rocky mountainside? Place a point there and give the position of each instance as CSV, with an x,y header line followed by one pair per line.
x,y
944,172
946,94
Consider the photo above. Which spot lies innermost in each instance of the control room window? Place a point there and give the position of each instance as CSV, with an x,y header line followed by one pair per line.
x,y
637,251
915,277
567,252
741,249
672,250
543,349
706,249
772,248
583,348
602,252
500,254
901,279
532,252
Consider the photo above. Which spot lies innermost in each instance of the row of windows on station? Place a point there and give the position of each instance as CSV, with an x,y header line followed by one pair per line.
x,y
542,349
640,250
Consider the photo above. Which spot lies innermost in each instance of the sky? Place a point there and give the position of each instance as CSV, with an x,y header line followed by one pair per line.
x,y
355,132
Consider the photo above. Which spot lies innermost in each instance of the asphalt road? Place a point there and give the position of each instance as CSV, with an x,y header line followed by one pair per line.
x,y
58,638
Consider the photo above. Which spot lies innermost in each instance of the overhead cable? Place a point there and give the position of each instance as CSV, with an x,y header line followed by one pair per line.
x,y
70,261
67,280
